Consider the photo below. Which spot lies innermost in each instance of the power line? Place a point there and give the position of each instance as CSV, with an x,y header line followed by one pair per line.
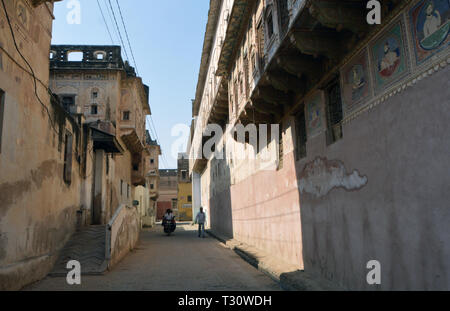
x,y
156,133
128,38
111,18
106,24
163,156
31,69
151,123
118,30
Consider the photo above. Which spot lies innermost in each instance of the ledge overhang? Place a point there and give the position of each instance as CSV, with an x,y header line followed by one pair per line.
x,y
239,13
132,141
106,141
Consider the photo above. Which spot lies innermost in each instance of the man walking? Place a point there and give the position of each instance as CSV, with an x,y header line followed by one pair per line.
x,y
200,219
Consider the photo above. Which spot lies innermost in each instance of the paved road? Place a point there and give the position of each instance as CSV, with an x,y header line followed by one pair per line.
x,y
181,262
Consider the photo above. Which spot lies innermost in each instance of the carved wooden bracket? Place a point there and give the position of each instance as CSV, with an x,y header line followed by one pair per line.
x,y
286,82
265,107
301,66
340,15
318,43
271,95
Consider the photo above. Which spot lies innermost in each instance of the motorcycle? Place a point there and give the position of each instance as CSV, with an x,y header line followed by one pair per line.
x,y
169,226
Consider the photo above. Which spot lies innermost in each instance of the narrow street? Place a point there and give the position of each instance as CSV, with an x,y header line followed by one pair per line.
x,y
181,262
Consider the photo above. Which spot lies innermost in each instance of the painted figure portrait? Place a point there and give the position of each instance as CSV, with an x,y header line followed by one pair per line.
x,y
314,114
389,57
430,23
355,81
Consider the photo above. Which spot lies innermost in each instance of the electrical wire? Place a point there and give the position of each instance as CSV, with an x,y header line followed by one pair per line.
x,y
152,128
128,38
31,69
156,133
106,24
151,124
118,30
111,19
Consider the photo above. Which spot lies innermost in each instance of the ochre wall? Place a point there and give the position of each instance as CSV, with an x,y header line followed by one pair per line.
x,y
38,210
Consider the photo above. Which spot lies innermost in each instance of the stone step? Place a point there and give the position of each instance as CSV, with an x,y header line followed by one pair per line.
x,y
86,246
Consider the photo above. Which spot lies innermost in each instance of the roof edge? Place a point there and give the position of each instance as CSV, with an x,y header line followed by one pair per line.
x,y
211,27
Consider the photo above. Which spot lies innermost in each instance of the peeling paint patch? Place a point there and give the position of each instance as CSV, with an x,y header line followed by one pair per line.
x,y
11,192
321,176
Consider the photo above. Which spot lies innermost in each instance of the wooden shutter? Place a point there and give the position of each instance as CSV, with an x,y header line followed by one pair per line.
x,y
301,135
260,42
2,111
68,159
283,12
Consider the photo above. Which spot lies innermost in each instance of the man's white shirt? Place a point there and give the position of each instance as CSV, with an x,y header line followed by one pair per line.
x,y
200,218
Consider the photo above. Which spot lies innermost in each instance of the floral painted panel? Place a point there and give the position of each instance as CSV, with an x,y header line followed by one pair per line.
x,y
430,24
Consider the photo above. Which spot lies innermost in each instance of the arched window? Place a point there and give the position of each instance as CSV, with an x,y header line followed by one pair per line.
x,y
100,55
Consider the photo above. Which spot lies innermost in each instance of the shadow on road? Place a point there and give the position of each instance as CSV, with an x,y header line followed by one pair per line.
x,y
182,262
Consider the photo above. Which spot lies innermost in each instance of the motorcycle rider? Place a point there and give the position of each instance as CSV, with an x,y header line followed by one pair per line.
x,y
169,217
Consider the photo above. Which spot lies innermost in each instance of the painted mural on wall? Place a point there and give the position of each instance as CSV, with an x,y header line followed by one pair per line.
x,y
355,82
389,58
430,24
315,114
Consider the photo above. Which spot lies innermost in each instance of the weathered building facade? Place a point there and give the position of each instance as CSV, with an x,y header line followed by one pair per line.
x,y
69,158
106,91
358,171
39,197
152,189
113,100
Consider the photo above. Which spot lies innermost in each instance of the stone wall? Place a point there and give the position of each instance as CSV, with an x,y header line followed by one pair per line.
x,y
397,210
38,207
124,229
378,193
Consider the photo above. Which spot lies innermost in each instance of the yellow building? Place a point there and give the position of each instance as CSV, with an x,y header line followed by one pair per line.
x,y
184,202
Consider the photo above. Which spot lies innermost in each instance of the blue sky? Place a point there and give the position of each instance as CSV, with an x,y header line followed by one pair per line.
x,y
167,41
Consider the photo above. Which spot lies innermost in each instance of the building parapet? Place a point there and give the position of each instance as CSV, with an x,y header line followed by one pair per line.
x,y
92,57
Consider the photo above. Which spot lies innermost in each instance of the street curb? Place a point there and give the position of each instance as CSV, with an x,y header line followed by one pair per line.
x,y
296,280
